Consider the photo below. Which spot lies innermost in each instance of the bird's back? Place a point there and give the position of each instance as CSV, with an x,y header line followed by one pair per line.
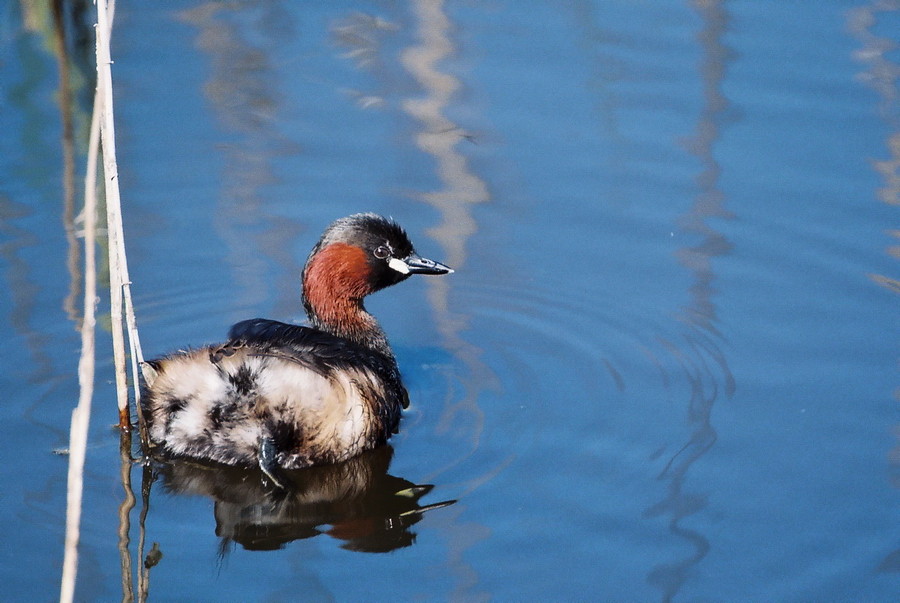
x,y
315,397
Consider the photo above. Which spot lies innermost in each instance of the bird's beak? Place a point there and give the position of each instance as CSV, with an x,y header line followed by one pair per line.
x,y
414,264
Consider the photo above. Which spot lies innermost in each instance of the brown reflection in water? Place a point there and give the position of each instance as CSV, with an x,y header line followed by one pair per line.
x,y
61,28
68,147
357,502
881,74
697,351
73,47
125,508
241,90
67,33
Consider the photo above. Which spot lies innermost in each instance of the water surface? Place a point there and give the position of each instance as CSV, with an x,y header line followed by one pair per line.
x,y
665,369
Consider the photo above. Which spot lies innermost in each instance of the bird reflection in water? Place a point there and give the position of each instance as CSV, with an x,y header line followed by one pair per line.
x,y
357,502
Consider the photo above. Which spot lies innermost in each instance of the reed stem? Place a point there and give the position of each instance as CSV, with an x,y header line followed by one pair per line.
x,y
81,415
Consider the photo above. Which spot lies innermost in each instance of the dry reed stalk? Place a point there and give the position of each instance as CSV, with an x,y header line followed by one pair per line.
x,y
118,265
81,415
102,128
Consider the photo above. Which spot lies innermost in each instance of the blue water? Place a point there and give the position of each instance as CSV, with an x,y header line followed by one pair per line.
x,y
665,369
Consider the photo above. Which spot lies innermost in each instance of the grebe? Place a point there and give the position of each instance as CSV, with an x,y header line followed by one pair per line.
x,y
283,396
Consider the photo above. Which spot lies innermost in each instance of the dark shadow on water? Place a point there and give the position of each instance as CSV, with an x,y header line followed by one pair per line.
x,y
704,365
356,502
694,344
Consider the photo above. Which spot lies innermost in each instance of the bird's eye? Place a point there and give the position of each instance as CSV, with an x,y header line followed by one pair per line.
x,y
382,252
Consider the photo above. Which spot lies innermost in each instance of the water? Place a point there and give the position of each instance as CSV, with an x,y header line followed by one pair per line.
x,y
665,368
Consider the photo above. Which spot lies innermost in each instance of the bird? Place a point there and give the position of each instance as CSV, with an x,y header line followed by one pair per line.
x,y
283,396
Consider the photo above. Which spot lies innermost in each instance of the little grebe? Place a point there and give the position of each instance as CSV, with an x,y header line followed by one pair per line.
x,y
284,396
